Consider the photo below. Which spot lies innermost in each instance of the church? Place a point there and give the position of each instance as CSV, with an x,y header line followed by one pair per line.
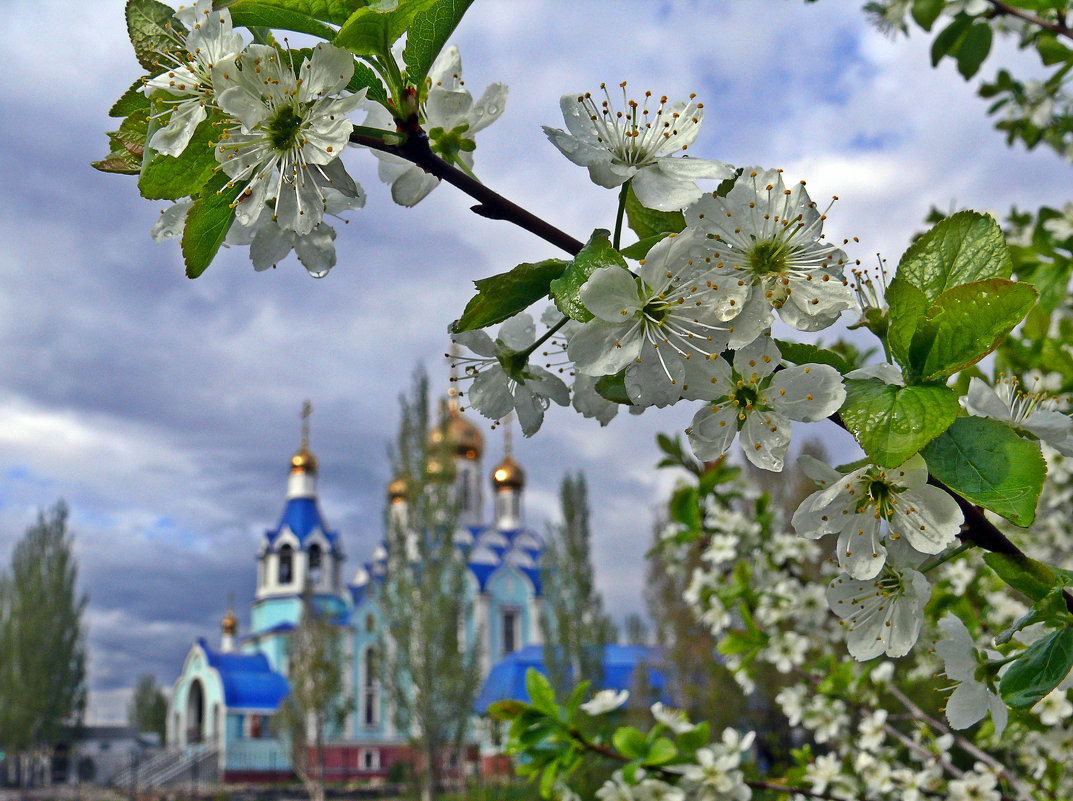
x,y
228,691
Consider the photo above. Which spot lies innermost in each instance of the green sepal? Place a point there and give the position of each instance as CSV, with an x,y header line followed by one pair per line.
x,y
566,289
151,26
1041,668
892,423
804,353
1026,575
647,222
502,296
639,249
428,33
630,742
988,463
173,177
373,29
960,249
613,388
132,100
541,695
207,224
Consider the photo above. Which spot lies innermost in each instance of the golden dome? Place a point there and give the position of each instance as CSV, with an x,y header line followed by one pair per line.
x,y
508,474
230,623
463,437
398,490
304,461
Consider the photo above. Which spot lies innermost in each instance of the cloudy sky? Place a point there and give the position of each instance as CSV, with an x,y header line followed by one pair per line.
x,y
165,410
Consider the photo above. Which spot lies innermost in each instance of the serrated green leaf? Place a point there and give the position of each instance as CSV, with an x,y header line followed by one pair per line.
x,y
1040,669
541,695
973,49
908,306
365,78
988,463
925,12
207,223
804,353
661,752
119,161
630,742
427,35
132,100
892,423
132,132
292,15
649,222
501,296
173,177
960,249
372,30
566,289
151,26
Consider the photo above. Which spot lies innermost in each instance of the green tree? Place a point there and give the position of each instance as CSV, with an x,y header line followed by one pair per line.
x,y
431,679
148,708
318,701
42,641
573,622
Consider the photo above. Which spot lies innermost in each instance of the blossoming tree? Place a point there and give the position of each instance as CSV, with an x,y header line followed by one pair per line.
x,y
248,138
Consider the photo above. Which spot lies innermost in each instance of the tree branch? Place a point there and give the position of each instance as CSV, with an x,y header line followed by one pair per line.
x,y
1057,28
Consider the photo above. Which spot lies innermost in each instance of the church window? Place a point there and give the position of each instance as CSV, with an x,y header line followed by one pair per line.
x,y
370,623
286,564
370,689
315,559
370,758
510,631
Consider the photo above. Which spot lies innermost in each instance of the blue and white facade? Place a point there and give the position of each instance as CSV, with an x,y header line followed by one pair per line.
x,y
225,696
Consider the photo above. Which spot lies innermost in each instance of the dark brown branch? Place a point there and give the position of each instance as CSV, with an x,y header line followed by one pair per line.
x,y
1057,28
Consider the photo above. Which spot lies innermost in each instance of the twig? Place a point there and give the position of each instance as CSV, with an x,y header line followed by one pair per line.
x,y
1057,28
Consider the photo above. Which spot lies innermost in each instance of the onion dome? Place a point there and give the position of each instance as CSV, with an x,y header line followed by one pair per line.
x,y
463,438
508,474
398,491
229,624
304,461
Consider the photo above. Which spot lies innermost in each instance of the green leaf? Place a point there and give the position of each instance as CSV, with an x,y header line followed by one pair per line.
x,y
1051,51
960,249
565,289
639,249
288,16
334,11
132,100
649,222
695,738
1052,607
372,30
502,296
173,177
119,161
949,38
127,145
427,35
1039,670
987,462
630,742
1023,573
966,323
804,353
661,752
207,223
925,12
152,27
613,388
907,306
365,78
541,695
547,778
507,709
684,507
892,423
973,49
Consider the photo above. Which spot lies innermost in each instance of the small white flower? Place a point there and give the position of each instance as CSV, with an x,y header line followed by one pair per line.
x,y
525,388
634,144
792,702
855,505
979,784
760,403
1054,707
872,731
883,614
656,790
673,719
660,326
972,698
171,222
786,650
615,789
824,771
185,91
826,718
1030,411
1061,227
291,130
449,117
606,701
772,236
716,776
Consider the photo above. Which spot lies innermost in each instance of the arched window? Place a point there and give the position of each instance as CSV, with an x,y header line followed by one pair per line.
x,y
315,559
370,689
286,564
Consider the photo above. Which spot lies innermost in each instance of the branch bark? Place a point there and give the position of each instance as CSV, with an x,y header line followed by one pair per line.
x,y
1057,28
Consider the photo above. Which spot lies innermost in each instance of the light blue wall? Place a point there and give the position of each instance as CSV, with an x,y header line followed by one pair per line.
x,y
508,588
273,611
197,669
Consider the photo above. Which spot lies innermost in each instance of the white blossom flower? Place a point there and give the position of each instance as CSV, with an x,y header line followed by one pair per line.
x,y
792,702
760,403
172,220
972,698
615,789
826,718
715,776
883,614
656,790
1054,707
1033,412
824,771
183,93
588,402
634,144
674,719
291,130
856,505
449,117
772,236
979,784
1061,227
786,650
606,701
872,731
674,314
502,383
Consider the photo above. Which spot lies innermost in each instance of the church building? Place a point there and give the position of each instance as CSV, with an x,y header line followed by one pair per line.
x,y
227,692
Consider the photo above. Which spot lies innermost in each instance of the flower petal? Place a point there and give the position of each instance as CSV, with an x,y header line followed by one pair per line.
x,y
611,294
808,392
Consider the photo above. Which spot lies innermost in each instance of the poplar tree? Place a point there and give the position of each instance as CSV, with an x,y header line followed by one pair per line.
x,y
431,677
573,622
148,708
42,642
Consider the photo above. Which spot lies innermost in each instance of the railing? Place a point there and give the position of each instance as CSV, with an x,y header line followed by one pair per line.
x,y
191,764
257,755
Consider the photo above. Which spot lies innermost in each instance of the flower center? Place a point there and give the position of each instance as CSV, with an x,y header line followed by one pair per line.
x,y
283,129
448,144
655,311
766,257
745,396
880,495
